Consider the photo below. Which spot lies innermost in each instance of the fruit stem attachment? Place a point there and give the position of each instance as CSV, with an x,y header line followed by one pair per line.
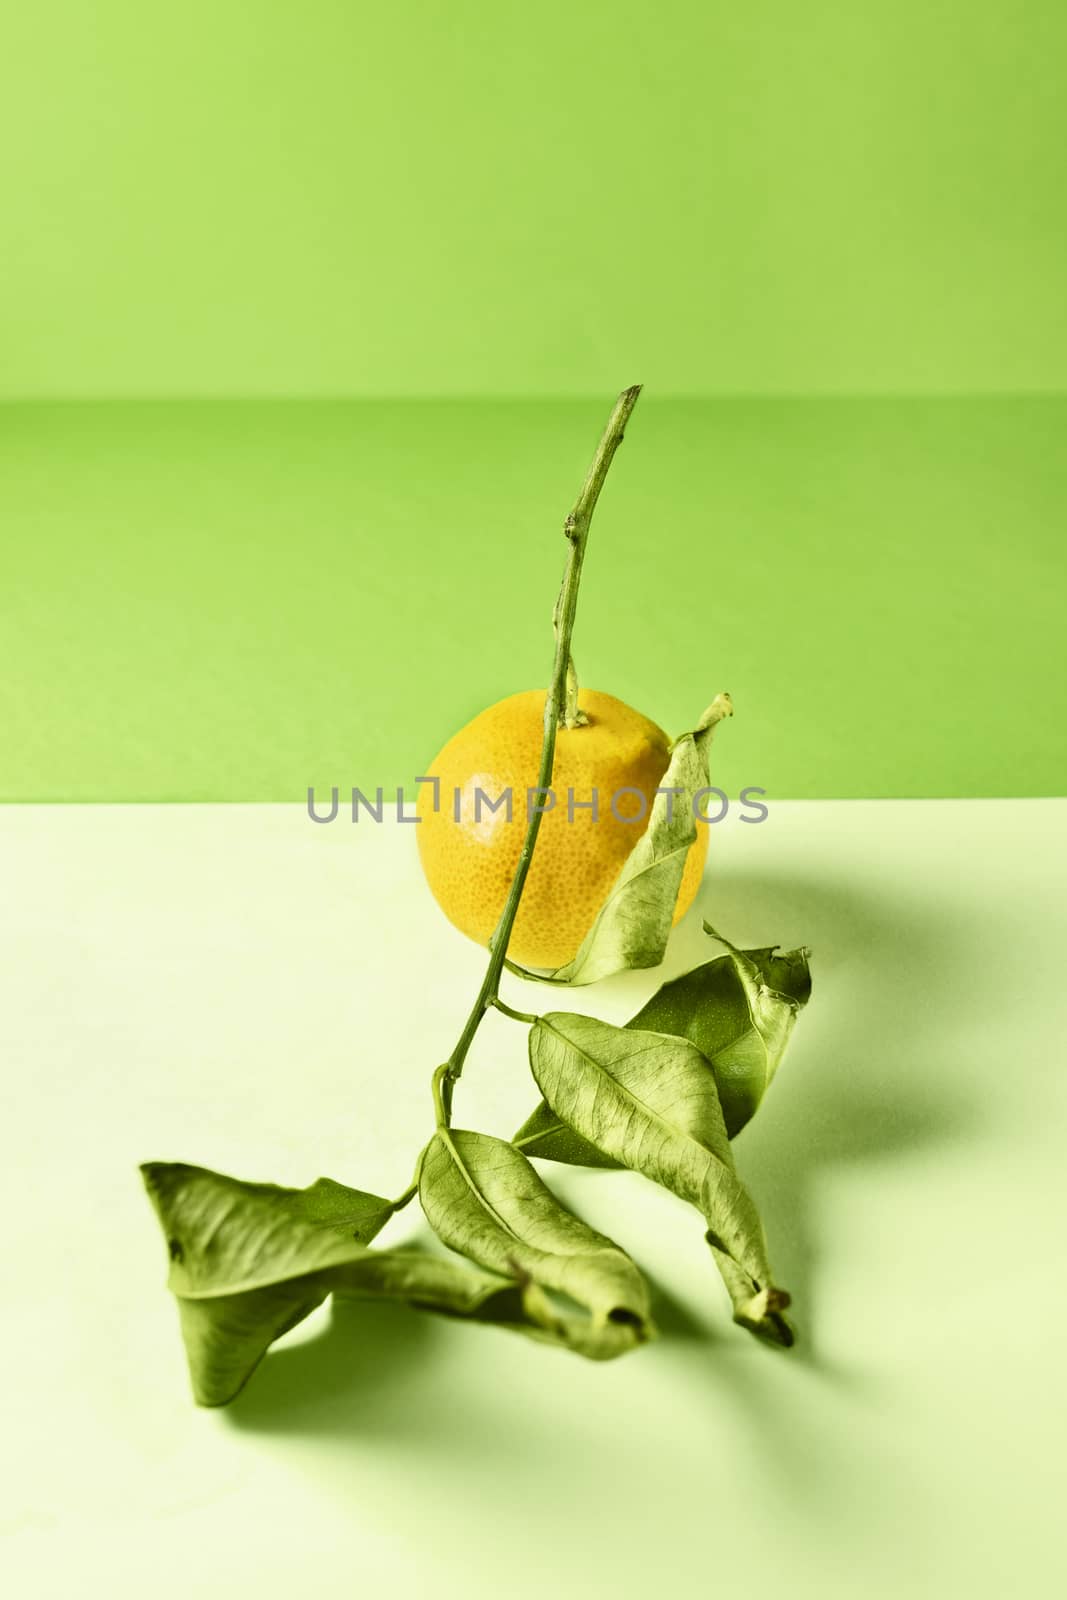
x,y
576,530
572,717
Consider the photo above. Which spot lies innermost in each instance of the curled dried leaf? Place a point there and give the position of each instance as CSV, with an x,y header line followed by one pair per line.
x,y
249,1261
648,1101
482,1197
634,923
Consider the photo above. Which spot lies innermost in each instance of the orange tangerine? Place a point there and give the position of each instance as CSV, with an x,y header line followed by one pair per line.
x,y
616,755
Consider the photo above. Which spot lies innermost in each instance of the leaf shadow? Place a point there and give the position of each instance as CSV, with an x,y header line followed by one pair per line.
x,y
381,1382
361,1365
863,1081
863,1084
674,1318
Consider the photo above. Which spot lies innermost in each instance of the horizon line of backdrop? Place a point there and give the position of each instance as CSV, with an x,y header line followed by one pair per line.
x,y
448,197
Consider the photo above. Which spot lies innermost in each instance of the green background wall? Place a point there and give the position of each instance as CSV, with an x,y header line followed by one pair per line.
x,y
852,210
459,196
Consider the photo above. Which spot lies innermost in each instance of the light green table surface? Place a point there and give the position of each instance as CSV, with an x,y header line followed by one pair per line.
x,y
233,986
234,601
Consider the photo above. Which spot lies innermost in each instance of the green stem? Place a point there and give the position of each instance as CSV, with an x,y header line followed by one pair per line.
x,y
411,1191
516,1016
442,1095
576,529
403,1199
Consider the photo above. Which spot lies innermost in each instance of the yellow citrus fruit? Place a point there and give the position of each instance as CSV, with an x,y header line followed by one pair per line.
x,y
469,863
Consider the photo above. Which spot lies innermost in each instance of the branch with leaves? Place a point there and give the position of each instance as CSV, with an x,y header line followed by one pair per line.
x,y
663,1096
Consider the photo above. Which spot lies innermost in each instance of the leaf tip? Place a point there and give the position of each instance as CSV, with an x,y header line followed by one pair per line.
x,y
153,1176
764,1317
720,708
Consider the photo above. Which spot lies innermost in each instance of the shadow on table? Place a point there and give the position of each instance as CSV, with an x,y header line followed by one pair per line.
x,y
864,1084
867,1079
355,1375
